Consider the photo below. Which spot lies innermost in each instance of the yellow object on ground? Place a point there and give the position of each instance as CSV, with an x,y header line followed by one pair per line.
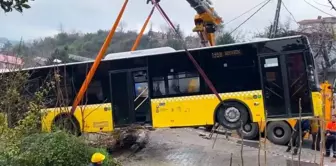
x,y
97,157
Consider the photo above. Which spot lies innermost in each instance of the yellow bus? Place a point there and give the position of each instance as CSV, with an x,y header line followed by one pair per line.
x,y
165,89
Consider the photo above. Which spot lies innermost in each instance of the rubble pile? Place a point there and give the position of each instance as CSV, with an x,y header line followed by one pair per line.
x,y
134,137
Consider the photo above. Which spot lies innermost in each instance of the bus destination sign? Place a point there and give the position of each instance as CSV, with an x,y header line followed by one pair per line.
x,y
221,54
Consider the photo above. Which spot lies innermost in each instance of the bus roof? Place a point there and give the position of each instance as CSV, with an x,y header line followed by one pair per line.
x,y
137,53
151,52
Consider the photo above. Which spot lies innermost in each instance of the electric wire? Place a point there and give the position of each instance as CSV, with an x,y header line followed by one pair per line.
x,y
324,5
246,12
283,4
250,17
318,9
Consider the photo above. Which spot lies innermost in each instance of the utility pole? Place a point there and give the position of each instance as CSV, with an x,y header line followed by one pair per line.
x,y
275,25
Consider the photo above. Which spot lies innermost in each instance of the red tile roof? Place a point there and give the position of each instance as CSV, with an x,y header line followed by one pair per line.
x,y
11,59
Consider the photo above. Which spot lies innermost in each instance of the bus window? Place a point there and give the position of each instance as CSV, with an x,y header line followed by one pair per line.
x,y
159,86
298,83
31,87
140,89
140,83
95,93
66,93
183,83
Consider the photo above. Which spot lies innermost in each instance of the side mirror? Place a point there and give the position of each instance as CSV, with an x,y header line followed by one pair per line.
x,y
334,85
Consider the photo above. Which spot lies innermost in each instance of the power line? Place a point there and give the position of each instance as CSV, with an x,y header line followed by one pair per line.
x,y
283,4
249,17
332,5
246,12
324,5
318,9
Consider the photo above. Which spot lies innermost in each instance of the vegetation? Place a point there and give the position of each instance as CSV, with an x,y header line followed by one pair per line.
x,y
18,5
58,148
88,45
21,139
284,29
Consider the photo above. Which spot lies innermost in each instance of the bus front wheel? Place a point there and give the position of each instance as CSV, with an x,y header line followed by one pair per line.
x,y
231,115
250,131
278,132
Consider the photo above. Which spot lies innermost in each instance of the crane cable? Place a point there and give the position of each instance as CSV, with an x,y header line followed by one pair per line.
x,y
246,12
250,17
137,40
198,67
98,59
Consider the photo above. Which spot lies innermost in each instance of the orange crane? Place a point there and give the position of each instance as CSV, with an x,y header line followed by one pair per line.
x,y
97,61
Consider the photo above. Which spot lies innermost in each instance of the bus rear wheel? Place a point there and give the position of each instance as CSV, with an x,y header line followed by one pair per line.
x,y
67,123
250,131
231,115
279,132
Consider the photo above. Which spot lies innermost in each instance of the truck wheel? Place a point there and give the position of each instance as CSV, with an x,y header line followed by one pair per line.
x,y
250,131
231,114
279,132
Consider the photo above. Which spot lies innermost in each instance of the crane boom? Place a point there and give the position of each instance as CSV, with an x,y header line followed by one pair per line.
x,y
204,6
206,20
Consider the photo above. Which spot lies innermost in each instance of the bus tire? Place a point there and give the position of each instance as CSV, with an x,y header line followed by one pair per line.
x,y
231,114
250,131
67,123
279,132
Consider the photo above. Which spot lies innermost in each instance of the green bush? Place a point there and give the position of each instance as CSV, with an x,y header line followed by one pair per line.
x,y
48,149
21,140
56,148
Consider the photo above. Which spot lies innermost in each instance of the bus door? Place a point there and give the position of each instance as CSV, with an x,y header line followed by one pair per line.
x,y
273,83
284,83
128,94
141,104
298,84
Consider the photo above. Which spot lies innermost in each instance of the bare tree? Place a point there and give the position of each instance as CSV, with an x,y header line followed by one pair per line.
x,y
122,26
322,41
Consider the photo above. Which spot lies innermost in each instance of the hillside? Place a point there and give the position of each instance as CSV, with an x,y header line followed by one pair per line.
x,y
88,45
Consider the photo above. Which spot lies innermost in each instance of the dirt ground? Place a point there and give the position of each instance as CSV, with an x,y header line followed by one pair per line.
x,y
184,147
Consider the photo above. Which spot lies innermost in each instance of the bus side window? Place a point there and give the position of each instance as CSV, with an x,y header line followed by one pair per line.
x,y
184,83
159,86
94,92
31,87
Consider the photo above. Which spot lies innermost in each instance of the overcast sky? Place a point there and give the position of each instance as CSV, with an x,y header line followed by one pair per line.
x,y
46,16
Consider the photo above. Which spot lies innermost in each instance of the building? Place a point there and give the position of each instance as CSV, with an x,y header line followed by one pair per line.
x,y
320,24
321,31
10,62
